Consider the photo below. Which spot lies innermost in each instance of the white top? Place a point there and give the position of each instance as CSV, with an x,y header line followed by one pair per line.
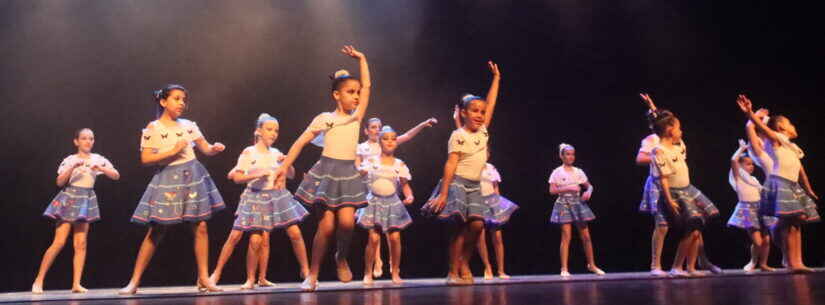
x,y
161,138
83,176
785,158
561,177
340,134
385,180
671,165
253,161
762,160
747,187
648,143
473,149
368,149
489,177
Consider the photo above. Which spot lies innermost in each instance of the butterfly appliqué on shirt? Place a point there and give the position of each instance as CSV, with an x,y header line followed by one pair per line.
x,y
147,138
460,142
164,136
330,124
478,142
190,131
179,134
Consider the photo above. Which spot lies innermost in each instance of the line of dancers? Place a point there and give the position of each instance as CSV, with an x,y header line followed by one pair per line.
x,y
363,184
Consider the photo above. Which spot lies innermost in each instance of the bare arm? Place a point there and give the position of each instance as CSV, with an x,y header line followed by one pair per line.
x,y
407,190
734,160
110,172
63,177
747,107
642,158
556,189
492,94
756,142
294,151
589,192
648,101
415,130
457,117
366,83
150,157
803,178
209,149
449,172
240,177
666,188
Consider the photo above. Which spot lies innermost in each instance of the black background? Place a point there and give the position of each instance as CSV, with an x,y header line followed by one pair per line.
x,y
572,71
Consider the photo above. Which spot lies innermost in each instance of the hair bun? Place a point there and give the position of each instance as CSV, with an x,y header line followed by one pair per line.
x,y
340,74
564,146
385,129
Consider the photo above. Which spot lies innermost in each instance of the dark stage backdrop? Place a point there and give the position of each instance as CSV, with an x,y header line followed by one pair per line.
x,y
572,71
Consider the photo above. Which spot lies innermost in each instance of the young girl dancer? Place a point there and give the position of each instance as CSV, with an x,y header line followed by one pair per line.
x,y
686,207
566,181
651,195
262,207
333,182
746,216
75,207
500,211
181,190
372,148
458,195
784,197
386,212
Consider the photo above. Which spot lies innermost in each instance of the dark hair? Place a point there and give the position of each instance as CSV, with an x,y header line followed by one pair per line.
x,y
77,132
660,120
773,122
163,93
339,78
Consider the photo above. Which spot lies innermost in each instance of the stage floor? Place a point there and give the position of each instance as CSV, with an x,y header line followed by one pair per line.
x,y
734,287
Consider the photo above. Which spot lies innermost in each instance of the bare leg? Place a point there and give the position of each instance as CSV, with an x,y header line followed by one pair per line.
x,y
201,250
498,246
369,254
252,254
263,261
394,243
704,262
147,249
485,257
472,233
454,259
80,235
226,253
756,243
681,254
795,249
346,223
693,251
657,242
587,245
298,248
378,269
319,247
564,248
61,232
